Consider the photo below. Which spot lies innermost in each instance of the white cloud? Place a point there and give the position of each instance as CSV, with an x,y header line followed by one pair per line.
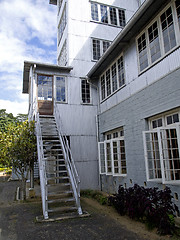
x,y
27,29
14,107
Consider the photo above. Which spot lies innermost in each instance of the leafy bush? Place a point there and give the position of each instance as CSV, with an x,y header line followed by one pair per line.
x,y
150,205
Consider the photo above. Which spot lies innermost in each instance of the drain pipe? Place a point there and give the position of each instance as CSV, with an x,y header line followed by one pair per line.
x,y
97,123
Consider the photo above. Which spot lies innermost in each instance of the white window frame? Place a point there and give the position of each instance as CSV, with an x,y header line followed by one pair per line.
x,y
63,59
111,84
66,90
108,15
162,148
62,24
90,102
103,161
101,50
160,35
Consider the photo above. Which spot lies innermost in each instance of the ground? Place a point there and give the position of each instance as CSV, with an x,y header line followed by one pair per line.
x,y
18,221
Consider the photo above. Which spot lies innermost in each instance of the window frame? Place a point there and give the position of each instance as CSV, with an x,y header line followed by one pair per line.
x,y
103,161
62,24
160,32
101,47
55,91
164,152
119,15
119,86
90,100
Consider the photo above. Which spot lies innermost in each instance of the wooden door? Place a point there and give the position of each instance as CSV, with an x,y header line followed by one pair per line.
x,y
45,94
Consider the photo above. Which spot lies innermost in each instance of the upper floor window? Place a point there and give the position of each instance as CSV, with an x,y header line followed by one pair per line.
x,y
113,78
45,83
160,37
85,91
60,89
107,14
112,156
162,148
62,60
99,47
62,25
59,5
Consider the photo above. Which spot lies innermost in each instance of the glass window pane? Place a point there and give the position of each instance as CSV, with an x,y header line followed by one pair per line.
x,y
94,12
168,30
104,14
113,17
60,89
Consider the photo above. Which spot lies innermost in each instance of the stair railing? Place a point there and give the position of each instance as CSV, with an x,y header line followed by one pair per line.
x,y
41,160
73,174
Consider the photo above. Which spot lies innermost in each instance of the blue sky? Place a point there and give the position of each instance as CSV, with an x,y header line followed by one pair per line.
x,y
27,32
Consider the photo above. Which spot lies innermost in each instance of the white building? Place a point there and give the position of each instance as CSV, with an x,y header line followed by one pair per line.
x,y
62,90
116,80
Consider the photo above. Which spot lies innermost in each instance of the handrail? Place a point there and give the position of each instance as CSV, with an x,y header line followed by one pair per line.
x,y
73,174
33,112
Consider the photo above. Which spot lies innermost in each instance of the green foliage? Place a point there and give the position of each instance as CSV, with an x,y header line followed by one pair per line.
x,y
18,147
97,195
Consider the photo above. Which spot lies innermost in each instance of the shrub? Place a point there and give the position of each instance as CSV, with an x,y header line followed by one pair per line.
x,y
150,205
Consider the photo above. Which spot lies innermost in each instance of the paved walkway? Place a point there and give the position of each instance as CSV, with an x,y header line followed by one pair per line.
x,y
17,222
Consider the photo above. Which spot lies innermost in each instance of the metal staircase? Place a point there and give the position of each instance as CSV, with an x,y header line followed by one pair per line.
x,y
59,181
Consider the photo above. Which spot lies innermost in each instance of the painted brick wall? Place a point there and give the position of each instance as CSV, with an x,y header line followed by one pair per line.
x,y
132,113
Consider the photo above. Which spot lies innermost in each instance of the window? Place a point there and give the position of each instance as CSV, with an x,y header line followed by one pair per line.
x,y
60,89
107,14
159,38
96,49
62,25
85,91
178,11
94,11
112,157
113,78
59,5
104,14
103,90
162,149
168,30
44,87
62,60
99,47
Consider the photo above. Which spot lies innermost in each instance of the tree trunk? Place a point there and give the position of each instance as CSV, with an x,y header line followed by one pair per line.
x,y
23,188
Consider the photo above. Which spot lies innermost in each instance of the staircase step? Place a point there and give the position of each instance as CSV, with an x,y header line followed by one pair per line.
x,y
63,209
62,177
58,184
62,193
61,200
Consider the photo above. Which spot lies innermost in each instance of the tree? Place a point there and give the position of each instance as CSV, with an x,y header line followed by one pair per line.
x,y
18,148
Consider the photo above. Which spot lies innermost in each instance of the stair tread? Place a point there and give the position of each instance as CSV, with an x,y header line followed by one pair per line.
x,y
57,184
61,200
59,193
64,208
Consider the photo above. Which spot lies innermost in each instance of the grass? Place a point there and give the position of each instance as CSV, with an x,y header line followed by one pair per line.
x,y
97,195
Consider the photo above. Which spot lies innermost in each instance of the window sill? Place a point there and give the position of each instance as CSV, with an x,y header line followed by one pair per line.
x,y
113,93
107,24
114,175
59,102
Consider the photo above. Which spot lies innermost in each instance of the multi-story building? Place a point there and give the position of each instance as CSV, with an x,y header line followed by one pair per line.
x,y
116,82
139,110
85,30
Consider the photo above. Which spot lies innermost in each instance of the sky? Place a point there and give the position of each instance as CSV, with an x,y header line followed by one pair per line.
x,y
27,33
